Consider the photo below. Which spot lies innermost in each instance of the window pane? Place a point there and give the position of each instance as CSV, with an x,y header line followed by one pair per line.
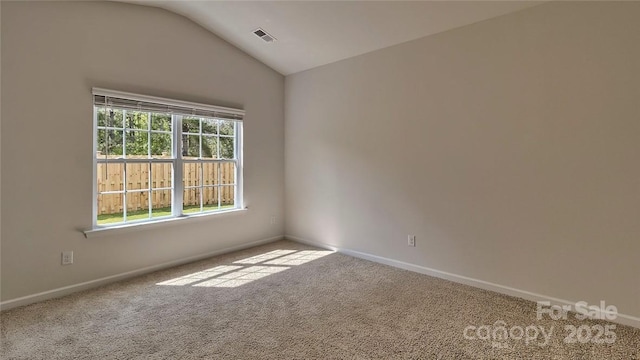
x,y
109,144
137,120
226,127
161,145
110,177
209,147
137,144
227,173
191,174
209,126
190,146
191,125
226,148
101,114
109,117
161,203
137,205
110,208
191,201
137,177
210,173
161,175
161,122
227,197
210,198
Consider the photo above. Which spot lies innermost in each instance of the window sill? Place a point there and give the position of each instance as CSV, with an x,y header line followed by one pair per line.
x,y
127,228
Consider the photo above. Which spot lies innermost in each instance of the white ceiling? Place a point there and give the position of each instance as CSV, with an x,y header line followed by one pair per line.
x,y
314,33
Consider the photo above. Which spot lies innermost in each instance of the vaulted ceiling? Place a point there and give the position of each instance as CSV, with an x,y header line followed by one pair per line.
x,y
314,33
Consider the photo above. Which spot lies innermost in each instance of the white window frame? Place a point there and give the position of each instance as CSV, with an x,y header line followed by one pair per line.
x,y
176,159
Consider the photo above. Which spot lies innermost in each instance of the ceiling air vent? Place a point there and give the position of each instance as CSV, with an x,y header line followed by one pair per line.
x,y
263,35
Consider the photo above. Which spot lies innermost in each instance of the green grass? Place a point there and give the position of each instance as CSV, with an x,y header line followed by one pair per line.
x,y
144,214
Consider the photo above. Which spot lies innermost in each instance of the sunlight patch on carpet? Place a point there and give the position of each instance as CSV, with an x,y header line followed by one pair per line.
x,y
247,270
200,275
264,257
299,257
241,277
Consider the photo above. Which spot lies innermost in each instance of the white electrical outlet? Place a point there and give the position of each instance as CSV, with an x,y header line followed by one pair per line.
x,y
411,240
67,257
273,220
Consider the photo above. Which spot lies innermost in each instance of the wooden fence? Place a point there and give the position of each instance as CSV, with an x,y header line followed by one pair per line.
x,y
111,178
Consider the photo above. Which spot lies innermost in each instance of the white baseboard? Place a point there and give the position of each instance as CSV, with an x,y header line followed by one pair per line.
x,y
66,290
527,295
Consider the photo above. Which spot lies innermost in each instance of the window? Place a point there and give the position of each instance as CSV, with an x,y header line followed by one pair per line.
x,y
158,158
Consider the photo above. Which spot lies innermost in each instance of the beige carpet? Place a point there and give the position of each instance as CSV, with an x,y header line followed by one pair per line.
x,y
287,301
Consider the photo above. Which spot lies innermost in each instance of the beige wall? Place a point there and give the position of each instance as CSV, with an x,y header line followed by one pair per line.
x,y
0,149
509,148
52,54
